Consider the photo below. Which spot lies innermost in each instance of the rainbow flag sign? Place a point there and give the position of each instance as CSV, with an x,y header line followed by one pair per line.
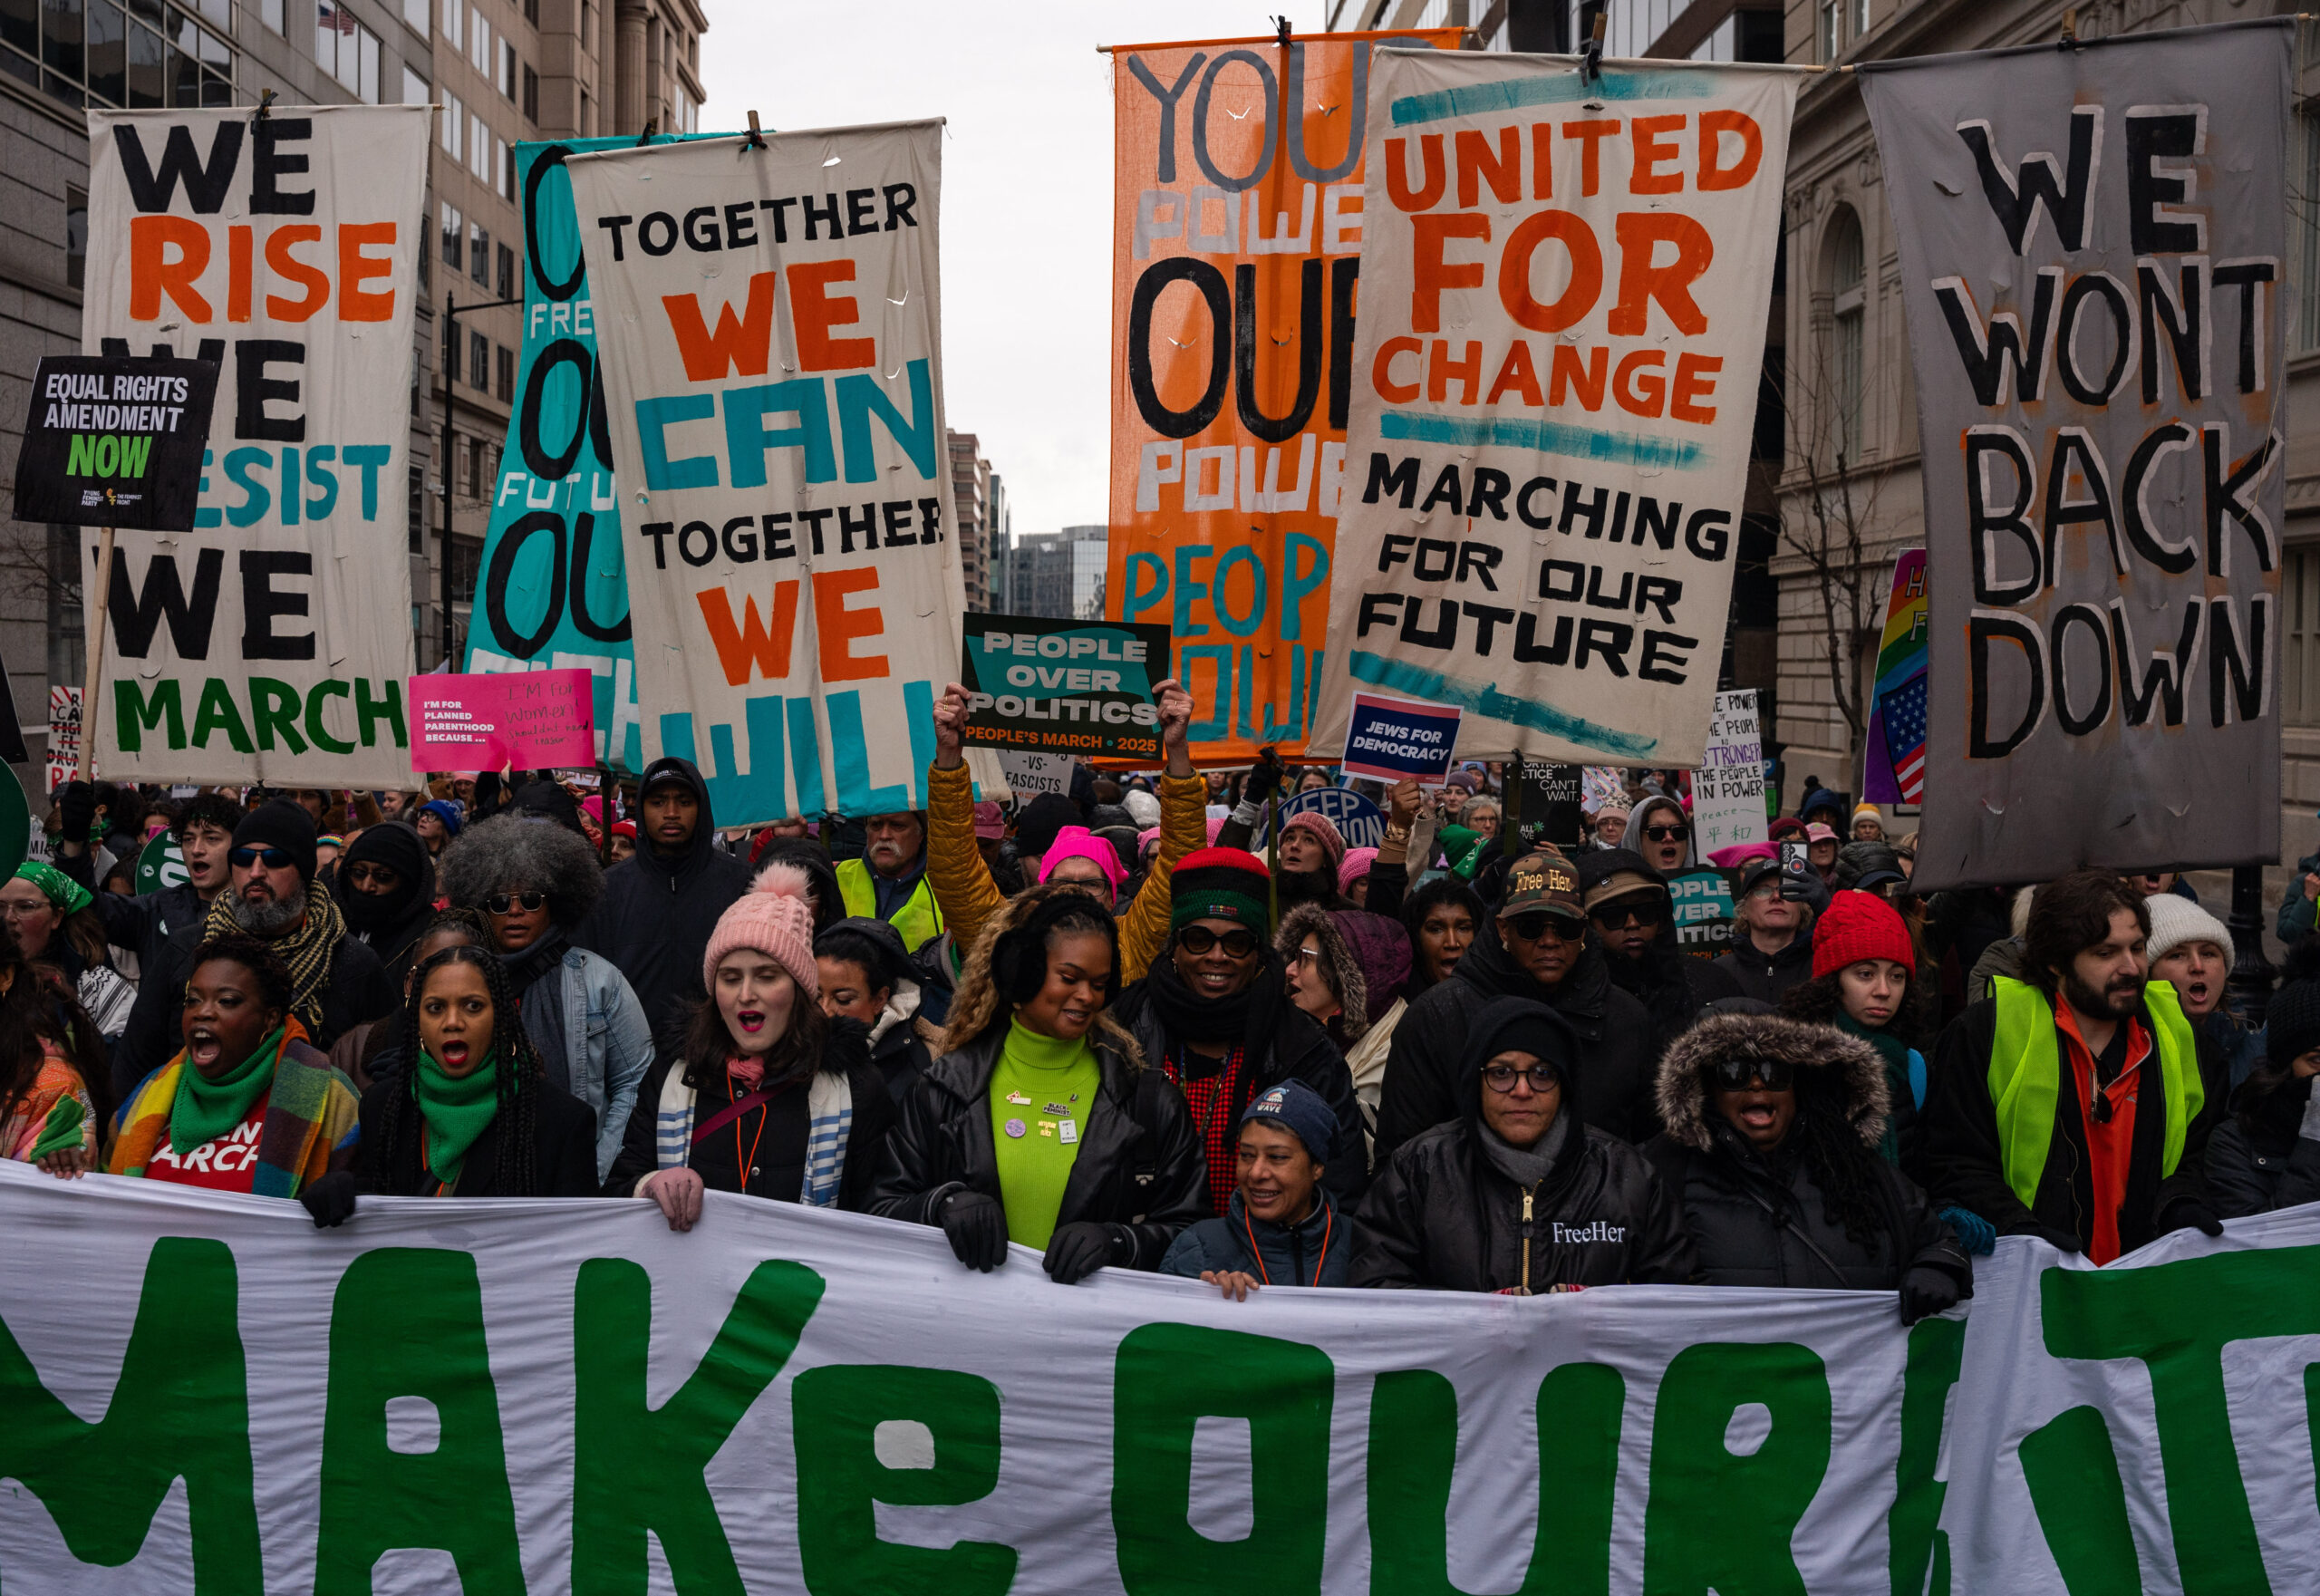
x,y
1895,772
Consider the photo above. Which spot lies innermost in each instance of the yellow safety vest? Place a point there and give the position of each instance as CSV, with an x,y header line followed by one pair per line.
x,y
2026,1079
919,920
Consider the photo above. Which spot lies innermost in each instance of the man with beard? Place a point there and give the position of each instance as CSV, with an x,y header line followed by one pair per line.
x,y
386,890
2072,1107
337,982
889,883
204,830
1635,923
1536,948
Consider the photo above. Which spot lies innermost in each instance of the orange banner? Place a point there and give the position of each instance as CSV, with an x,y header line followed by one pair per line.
x,y
1237,197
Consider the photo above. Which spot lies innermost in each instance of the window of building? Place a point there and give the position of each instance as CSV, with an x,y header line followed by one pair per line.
x,y
416,89
504,388
347,50
587,115
415,503
478,362
507,273
1860,17
503,162
414,16
270,12
454,235
2300,648
454,129
479,255
1848,288
95,52
478,147
532,12
2304,229
480,42
453,23
76,236
531,95
1830,28
509,67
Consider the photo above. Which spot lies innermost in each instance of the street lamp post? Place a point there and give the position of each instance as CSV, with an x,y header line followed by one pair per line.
x,y
452,311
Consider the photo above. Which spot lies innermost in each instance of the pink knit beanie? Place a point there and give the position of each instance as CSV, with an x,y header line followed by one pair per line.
x,y
771,918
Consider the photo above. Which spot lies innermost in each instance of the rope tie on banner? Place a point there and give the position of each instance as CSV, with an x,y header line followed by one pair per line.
x,y
264,108
756,139
1590,53
2069,40
645,137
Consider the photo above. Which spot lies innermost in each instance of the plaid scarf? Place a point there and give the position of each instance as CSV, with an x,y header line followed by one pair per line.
x,y
310,951
1216,1104
311,1121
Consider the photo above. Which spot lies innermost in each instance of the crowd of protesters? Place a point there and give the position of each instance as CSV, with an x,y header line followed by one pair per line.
x,y
1154,1022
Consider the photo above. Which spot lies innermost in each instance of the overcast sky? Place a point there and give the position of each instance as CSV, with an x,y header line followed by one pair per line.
x,y
1027,202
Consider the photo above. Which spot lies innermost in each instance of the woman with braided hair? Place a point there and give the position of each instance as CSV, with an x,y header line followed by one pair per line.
x,y
1038,1121
476,1115
1772,1152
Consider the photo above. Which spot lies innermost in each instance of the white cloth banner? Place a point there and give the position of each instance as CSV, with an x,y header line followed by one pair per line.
x,y
770,336
273,642
1564,283
204,1388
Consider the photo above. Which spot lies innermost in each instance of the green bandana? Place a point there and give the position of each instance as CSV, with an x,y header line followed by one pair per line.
x,y
455,1108
57,887
59,1130
207,1109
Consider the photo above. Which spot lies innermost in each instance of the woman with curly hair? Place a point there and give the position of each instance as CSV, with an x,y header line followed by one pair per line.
x,y
532,882
766,1096
476,1115
1771,1151
1038,1121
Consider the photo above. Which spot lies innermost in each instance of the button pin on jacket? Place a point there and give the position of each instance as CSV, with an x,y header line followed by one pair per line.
x,y
1019,1099
1015,1128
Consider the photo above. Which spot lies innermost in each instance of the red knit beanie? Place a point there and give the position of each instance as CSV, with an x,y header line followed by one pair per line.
x,y
1858,925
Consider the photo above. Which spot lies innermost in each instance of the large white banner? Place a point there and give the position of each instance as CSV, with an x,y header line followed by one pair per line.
x,y
205,1392
769,333
1565,282
273,642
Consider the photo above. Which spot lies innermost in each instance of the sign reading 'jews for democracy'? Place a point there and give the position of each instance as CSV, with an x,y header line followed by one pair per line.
x,y
550,1395
273,644
115,442
1565,280
770,347
2091,244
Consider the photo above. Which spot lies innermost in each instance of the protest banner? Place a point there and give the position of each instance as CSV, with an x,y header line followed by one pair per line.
x,y
1552,812
1236,246
325,1397
524,720
273,645
552,586
1395,739
1701,903
1029,774
1361,823
115,442
2091,244
792,580
64,762
160,864
1895,771
1082,687
1728,788
1554,391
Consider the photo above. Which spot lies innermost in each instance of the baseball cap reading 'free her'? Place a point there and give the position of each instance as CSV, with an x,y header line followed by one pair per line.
x,y
1542,880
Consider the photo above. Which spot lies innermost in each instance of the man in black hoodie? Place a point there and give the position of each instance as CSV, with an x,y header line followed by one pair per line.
x,y
1635,924
386,890
659,907
1535,948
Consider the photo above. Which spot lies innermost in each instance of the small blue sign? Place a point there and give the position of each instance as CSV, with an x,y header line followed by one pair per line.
x,y
1391,738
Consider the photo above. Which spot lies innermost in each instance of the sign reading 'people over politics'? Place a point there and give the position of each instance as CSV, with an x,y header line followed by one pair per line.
x,y
273,644
771,344
1565,282
1071,687
2092,245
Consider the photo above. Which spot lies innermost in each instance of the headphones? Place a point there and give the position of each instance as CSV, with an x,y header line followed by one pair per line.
x,y
1018,960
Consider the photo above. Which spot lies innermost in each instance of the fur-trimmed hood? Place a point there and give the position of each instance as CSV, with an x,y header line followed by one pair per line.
x,y
1824,1059
1345,972
976,1002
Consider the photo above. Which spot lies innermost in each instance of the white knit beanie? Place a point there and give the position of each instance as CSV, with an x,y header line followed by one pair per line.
x,y
2175,921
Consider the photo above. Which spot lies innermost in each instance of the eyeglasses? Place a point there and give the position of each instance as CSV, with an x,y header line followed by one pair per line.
x,y
1199,940
1667,833
1619,916
1309,955
274,858
1501,1078
1539,925
24,911
1733,1075
501,903
1763,892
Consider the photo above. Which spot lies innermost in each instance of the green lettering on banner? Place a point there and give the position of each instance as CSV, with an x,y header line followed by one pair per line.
x,y
2082,1505
1936,1351
274,706
638,1468
835,1415
1166,1378
134,714
2177,1317
1414,1443
408,1321
217,712
1717,1519
180,1410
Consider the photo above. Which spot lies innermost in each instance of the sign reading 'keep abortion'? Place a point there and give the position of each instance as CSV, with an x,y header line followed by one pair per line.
x,y
2091,246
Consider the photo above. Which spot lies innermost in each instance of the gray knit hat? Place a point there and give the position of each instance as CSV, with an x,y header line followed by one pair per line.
x,y
2175,920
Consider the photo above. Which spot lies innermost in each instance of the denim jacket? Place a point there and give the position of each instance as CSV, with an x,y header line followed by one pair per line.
x,y
608,1044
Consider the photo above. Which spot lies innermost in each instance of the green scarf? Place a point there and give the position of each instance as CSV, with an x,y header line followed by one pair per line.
x,y
455,1108
1896,1054
206,1109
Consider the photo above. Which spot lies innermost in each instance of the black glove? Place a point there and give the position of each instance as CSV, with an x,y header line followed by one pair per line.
x,y
76,812
1079,1249
331,1200
977,1226
848,1044
1926,1289
1264,777
2189,1213
2061,1240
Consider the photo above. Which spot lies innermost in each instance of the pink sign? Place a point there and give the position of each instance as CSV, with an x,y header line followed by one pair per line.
x,y
530,719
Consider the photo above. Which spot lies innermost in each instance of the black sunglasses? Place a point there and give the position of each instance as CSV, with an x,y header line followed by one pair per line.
x,y
1620,917
1735,1074
274,858
1501,1078
499,903
1198,940
1534,923
1667,833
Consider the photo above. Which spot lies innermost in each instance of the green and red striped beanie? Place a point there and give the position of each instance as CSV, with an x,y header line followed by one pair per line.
x,y
1220,884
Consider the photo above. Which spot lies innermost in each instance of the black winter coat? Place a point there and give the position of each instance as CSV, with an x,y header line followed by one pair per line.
x,y
1767,977
564,1149
655,917
1139,1165
773,1138
358,990
1962,1153
1440,1215
142,924
1423,1089
1300,1050
1314,1253
2261,1156
1672,987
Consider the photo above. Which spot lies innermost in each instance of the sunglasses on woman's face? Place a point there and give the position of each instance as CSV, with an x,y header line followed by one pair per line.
x,y
501,903
1667,833
1537,924
1771,1075
1199,940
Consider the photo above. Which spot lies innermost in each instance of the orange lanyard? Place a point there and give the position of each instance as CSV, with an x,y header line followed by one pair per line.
x,y
1327,1224
750,1162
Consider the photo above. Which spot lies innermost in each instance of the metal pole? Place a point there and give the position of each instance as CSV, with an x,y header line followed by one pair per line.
x,y
94,676
443,462
2249,983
